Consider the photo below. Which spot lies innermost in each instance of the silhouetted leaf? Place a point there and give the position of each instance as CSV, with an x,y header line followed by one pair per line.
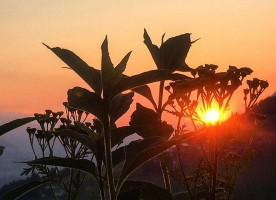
x,y
154,50
119,134
119,69
21,190
1,150
15,124
146,92
173,53
83,165
139,154
84,139
136,190
145,78
106,69
118,156
131,151
90,75
83,99
111,75
120,105
93,136
149,123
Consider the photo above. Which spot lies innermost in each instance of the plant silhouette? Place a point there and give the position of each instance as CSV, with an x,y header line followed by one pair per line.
x,y
96,147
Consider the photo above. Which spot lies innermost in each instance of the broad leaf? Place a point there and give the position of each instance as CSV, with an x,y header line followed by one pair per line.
x,y
149,124
84,139
173,53
93,136
83,99
21,190
90,75
119,69
153,49
83,165
110,75
138,156
136,190
15,124
120,105
118,156
106,70
145,92
145,78
119,134
132,150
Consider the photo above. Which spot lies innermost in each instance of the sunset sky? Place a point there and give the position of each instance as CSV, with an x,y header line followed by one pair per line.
x,y
239,33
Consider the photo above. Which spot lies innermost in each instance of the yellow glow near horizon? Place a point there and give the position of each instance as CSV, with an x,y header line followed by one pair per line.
x,y
212,115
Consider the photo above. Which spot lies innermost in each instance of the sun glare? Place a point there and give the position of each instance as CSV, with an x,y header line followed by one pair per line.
x,y
212,115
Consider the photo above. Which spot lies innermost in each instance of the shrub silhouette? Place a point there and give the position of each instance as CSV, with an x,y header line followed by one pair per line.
x,y
96,148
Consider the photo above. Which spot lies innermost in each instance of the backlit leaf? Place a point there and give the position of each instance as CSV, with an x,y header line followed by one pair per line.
x,y
83,165
90,75
15,124
83,99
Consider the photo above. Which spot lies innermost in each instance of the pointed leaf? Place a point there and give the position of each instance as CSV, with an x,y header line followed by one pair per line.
x,y
153,49
119,134
146,92
120,105
84,139
145,78
93,136
83,99
106,70
83,165
90,75
21,190
119,69
136,190
15,124
149,124
147,153
173,53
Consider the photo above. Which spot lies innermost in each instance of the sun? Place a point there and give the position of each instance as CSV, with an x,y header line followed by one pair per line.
x,y
212,115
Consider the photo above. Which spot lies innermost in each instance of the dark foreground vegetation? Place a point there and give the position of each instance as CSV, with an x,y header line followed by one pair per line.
x,y
197,158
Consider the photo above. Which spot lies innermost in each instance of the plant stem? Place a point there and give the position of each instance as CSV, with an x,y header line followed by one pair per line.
x,y
179,158
108,158
164,170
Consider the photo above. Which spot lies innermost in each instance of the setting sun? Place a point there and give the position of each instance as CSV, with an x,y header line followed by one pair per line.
x,y
212,115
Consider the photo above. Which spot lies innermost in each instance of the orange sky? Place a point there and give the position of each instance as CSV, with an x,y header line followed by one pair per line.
x,y
240,33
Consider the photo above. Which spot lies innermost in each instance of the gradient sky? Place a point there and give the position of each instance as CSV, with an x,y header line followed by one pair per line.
x,y
240,33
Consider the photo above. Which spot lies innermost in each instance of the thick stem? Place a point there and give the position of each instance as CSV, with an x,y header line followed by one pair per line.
x,y
164,169
108,159
179,159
